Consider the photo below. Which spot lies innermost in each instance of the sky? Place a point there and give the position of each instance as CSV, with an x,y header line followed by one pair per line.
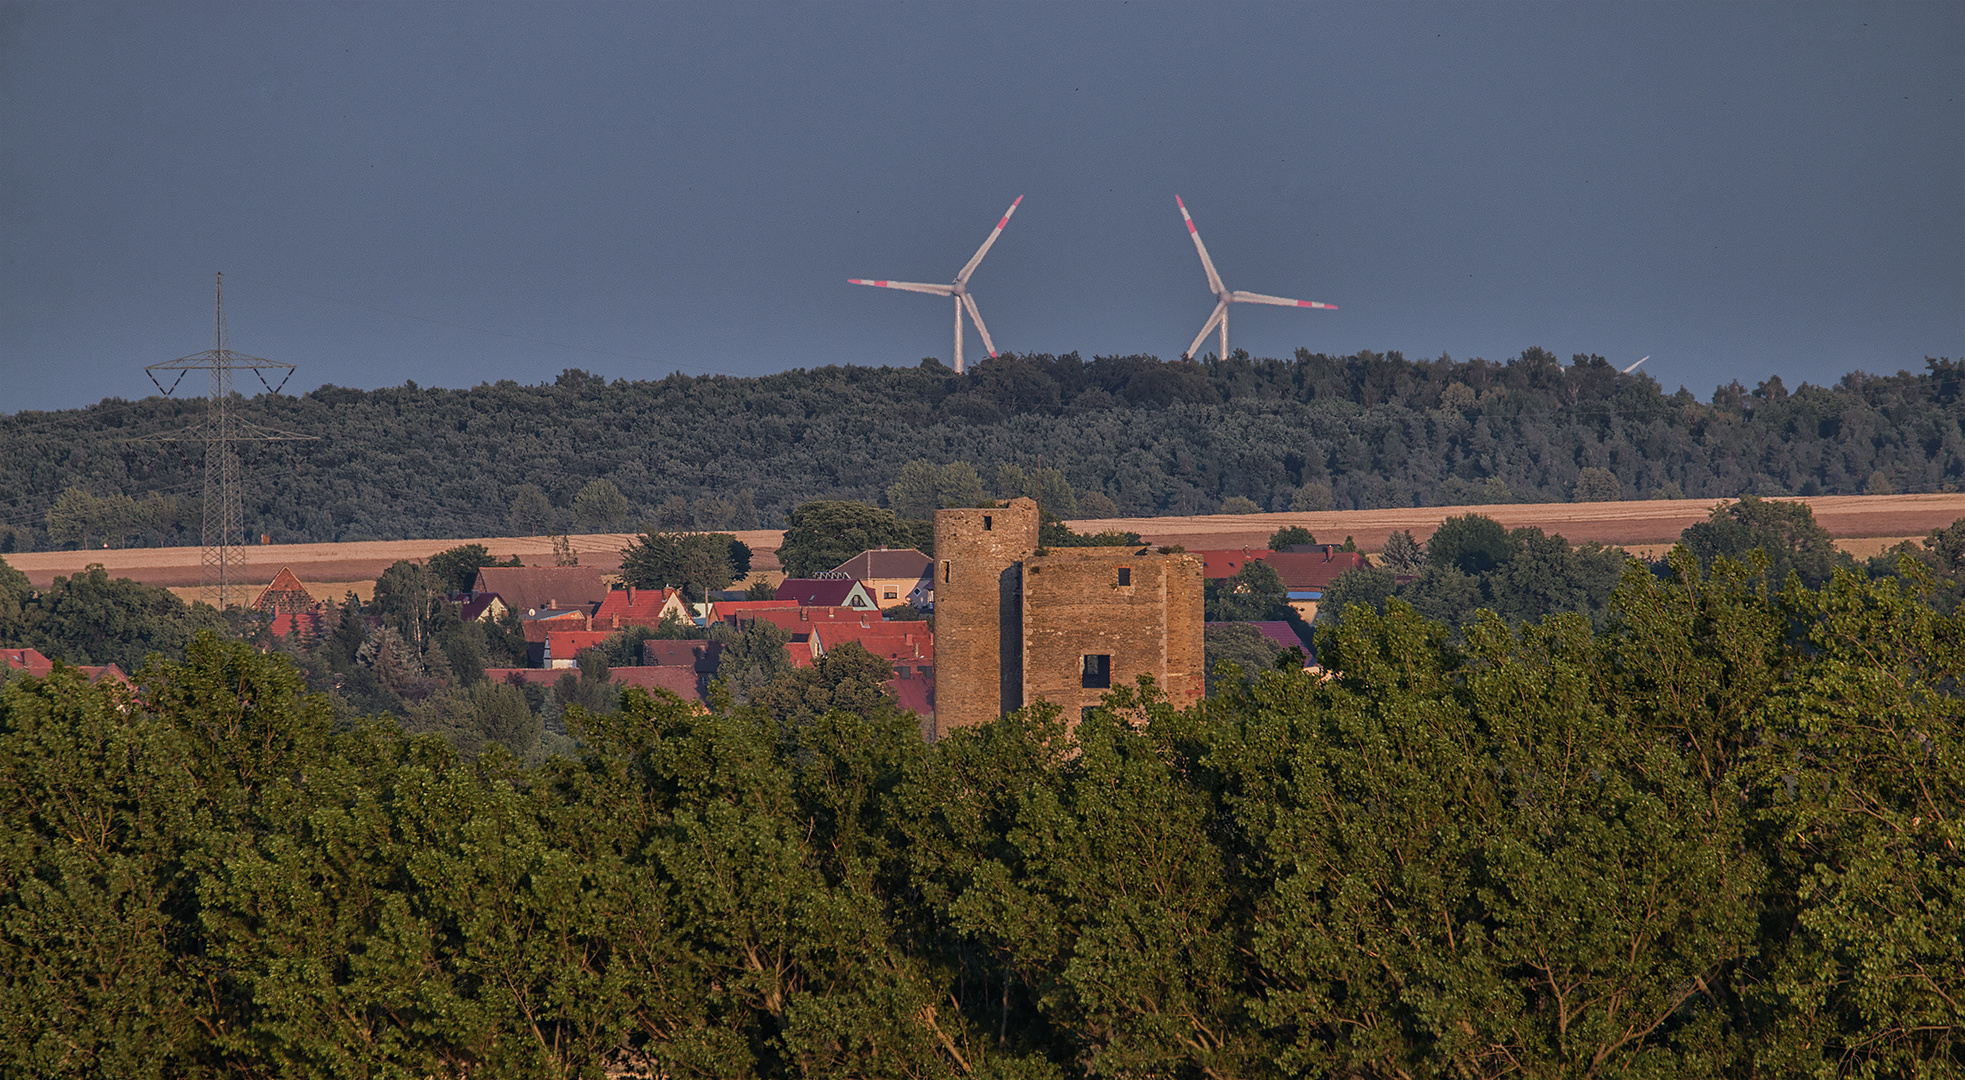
x,y
454,194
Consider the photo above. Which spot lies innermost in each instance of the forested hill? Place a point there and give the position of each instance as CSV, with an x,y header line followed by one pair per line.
x,y
1360,431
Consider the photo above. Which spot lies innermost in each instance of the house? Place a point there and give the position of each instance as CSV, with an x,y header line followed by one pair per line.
x,y
629,606
563,647
893,576
738,610
828,592
32,662
294,609
1221,563
803,620
1308,570
540,623
479,607
528,589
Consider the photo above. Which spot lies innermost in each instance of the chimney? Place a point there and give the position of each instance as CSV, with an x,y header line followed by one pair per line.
x,y
631,596
552,604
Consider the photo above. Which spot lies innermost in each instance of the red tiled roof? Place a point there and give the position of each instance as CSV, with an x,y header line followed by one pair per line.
x,y
529,588
632,607
1313,571
892,641
566,644
34,663
286,595
306,624
732,610
1227,562
825,592
799,620
885,563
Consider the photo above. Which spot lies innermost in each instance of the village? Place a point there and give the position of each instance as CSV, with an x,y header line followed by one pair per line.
x,y
1017,622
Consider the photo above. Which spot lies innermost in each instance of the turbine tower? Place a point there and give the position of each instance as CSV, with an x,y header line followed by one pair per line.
x,y
223,543
959,289
1223,297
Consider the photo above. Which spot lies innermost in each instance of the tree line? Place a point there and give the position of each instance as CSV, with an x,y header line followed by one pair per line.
x,y
1718,835
1110,436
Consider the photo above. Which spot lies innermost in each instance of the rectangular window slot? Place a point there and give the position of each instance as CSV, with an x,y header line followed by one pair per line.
x,y
944,571
987,522
1125,575
1097,672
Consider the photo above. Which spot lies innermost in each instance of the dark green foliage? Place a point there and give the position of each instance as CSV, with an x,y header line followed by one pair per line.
x,y
1473,563
822,535
92,618
847,677
1289,536
1717,837
1254,594
1786,532
1128,434
456,568
753,655
1240,645
699,563
1473,544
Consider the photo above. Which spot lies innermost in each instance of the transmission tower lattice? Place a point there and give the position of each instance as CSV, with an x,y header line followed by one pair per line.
x,y
223,544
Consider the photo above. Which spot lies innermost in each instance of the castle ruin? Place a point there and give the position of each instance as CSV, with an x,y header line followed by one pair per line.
x,y
1016,623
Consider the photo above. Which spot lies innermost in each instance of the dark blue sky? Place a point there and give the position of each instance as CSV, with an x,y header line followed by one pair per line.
x,y
462,193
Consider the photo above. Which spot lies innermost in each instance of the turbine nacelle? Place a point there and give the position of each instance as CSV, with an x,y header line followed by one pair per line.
x,y
1223,295
959,289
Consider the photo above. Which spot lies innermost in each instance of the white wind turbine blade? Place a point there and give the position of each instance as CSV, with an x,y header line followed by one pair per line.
x,y
969,301
1214,279
970,267
1220,316
909,286
1241,297
1633,367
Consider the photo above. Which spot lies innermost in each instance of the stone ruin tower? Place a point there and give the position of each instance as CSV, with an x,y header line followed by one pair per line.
x,y
1015,623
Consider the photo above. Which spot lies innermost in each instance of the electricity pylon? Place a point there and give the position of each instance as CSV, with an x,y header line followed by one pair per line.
x,y
223,553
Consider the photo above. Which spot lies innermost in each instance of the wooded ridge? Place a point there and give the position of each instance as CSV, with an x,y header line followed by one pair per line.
x,y
1129,435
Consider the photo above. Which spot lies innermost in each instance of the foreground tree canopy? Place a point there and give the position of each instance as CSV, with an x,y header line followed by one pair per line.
x,y
1095,439
1719,836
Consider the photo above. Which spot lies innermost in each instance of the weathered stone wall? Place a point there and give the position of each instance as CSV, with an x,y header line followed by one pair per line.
x,y
978,610
1075,606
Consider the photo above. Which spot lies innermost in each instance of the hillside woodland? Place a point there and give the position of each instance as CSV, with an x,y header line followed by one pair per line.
x,y
1114,435
1719,836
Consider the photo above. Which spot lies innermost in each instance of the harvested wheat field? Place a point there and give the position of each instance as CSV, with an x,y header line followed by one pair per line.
x,y
338,564
1861,525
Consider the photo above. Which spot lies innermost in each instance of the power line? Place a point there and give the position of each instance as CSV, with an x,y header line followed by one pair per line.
x,y
222,547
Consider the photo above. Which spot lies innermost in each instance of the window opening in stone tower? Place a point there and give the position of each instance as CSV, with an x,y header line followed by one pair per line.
x,y
1125,575
1097,671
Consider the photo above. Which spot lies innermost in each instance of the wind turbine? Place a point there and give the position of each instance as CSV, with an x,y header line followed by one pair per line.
x,y
1633,367
959,290
1223,297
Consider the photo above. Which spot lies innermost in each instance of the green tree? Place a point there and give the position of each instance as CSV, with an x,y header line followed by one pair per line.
x,y
456,568
924,487
1786,532
822,535
1240,645
753,655
1594,484
847,677
1472,544
1290,536
1253,594
599,506
1402,553
531,513
1239,504
700,562
1370,586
